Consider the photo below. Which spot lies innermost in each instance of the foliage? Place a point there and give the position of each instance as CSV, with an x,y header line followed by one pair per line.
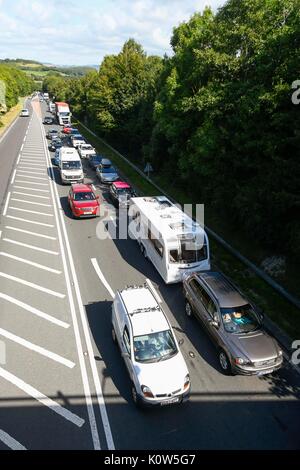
x,y
17,84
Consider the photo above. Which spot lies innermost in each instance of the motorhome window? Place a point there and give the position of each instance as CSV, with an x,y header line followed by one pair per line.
x,y
158,246
71,165
189,255
174,256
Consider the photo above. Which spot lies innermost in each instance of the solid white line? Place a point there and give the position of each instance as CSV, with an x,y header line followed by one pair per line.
x,y
32,161
32,177
34,347
6,204
33,171
29,221
30,182
34,311
101,277
33,168
13,177
31,263
32,189
30,233
10,441
83,369
29,390
31,212
18,161
30,202
32,247
32,285
31,195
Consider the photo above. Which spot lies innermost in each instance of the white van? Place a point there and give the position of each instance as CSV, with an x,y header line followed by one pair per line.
x,y
70,166
168,237
158,372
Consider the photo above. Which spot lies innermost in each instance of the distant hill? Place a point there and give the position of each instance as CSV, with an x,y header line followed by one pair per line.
x,y
39,70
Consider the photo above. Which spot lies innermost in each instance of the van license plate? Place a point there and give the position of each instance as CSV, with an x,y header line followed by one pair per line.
x,y
264,372
169,402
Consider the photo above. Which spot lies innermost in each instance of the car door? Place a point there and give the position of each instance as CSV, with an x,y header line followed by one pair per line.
x,y
192,295
126,349
70,197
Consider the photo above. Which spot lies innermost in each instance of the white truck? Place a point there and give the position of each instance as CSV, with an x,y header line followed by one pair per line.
x,y
46,96
85,150
63,113
70,166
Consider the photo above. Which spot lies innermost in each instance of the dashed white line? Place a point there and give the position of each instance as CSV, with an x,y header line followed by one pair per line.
x,y
31,195
30,263
29,221
31,212
101,277
13,177
38,349
32,247
6,204
30,202
32,285
18,161
30,233
10,442
39,396
34,311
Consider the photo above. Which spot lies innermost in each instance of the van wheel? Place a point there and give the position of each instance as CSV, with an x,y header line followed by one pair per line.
x,y
188,309
224,362
113,335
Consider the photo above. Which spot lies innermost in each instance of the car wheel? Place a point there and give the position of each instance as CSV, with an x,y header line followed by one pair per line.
x,y
135,397
224,362
188,309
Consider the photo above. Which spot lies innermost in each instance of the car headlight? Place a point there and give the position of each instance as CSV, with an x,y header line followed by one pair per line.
x,y
146,391
186,382
280,352
241,361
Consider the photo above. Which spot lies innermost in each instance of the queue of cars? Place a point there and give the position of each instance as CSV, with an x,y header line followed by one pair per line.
x,y
146,340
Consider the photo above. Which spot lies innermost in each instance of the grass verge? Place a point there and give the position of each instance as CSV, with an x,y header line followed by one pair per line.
x,y
279,310
8,117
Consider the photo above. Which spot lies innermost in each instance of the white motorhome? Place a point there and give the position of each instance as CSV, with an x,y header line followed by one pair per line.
x,y
168,237
70,166
63,113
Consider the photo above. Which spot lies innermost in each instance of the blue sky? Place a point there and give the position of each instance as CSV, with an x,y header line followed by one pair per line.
x,y
82,32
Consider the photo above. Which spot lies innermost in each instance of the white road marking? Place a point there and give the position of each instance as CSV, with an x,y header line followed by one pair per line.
x,y
32,189
32,161
18,161
29,221
10,441
30,182
79,346
34,347
33,171
31,195
30,202
32,247
22,147
34,311
30,263
39,396
6,204
32,285
13,177
32,177
31,212
30,233
101,277
34,168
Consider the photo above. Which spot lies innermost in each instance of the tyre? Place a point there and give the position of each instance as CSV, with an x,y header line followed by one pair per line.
x,y
188,309
135,397
224,362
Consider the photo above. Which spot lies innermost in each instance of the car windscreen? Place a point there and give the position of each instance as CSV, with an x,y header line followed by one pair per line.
x,y
72,165
188,253
125,192
240,319
110,169
84,196
154,347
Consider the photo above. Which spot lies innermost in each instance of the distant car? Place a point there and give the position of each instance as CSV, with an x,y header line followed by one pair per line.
x,y
94,161
24,113
56,157
120,193
85,150
55,144
83,201
48,120
76,140
106,174
234,325
67,129
51,133
74,131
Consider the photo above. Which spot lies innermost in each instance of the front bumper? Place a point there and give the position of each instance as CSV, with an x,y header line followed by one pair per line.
x,y
247,370
156,402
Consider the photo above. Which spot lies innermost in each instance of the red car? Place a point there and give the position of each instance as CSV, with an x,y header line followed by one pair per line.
x,y
83,201
67,129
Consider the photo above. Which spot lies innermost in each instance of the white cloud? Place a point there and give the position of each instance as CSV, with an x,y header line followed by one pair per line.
x,y
72,31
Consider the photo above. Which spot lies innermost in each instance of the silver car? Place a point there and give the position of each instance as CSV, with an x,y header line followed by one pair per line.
x,y
233,324
106,174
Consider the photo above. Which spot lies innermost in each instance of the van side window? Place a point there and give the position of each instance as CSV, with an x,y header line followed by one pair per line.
x,y
157,244
126,339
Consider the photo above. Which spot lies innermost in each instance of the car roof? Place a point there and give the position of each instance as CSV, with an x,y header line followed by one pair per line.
x,y
223,290
121,185
106,161
80,187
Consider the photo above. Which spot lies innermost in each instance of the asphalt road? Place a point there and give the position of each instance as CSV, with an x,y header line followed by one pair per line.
x,y
223,412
